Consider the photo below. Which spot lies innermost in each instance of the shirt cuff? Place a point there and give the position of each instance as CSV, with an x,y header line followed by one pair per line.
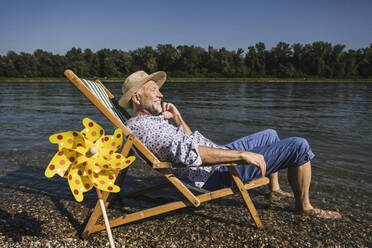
x,y
197,162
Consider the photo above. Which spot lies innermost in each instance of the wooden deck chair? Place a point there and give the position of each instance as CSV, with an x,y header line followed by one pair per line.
x,y
101,97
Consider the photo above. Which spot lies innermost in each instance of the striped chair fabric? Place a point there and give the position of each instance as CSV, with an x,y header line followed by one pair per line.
x,y
101,94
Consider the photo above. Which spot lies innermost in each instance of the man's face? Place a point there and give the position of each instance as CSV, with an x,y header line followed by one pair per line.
x,y
150,97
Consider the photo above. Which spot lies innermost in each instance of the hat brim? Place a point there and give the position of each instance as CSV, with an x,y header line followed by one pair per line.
x,y
159,78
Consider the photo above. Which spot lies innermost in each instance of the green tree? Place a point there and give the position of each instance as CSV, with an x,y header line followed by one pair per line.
x,y
255,59
106,61
75,61
144,59
190,62
298,59
45,63
241,69
319,56
90,62
10,65
365,62
167,57
123,62
280,64
337,61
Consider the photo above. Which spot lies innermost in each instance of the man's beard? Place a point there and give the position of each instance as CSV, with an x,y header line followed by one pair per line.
x,y
154,109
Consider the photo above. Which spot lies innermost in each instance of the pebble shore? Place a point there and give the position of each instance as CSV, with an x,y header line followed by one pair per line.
x,y
39,212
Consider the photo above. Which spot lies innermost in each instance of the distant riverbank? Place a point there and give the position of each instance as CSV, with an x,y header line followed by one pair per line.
x,y
206,80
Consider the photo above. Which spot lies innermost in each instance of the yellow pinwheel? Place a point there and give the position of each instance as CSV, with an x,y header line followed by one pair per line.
x,y
88,158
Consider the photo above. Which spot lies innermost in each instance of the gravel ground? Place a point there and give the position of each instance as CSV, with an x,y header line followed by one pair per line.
x,y
39,212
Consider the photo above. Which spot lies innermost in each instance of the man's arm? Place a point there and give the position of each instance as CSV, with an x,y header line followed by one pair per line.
x,y
211,155
170,111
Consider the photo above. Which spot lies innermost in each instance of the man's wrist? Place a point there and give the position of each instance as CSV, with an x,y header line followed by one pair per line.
x,y
177,118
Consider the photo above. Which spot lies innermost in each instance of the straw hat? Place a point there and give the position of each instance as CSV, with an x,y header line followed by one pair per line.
x,y
135,80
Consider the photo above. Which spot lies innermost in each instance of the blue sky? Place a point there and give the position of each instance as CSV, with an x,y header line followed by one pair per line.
x,y
57,26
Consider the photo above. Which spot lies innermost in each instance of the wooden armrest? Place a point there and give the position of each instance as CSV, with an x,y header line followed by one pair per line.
x,y
171,165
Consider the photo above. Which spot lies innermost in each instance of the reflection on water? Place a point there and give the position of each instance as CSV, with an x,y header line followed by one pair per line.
x,y
336,119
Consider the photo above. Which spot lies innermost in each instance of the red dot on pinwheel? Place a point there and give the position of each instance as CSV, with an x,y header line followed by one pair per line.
x,y
106,166
60,153
52,167
118,135
86,186
62,162
111,177
76,191
70,141
77,181
95,175
127,161
118,156
95,184
106,138
75,163
103,171
70,177
103,139
59,137
89,172
101,132
80,173
79,144
84,134
111,152
90,124
72,159
75,134
96,164
113,143
117,164
85,163
94,133
102,182
109,188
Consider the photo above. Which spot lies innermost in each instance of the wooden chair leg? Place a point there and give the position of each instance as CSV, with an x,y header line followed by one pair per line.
x,y
245,195
94,216
97,209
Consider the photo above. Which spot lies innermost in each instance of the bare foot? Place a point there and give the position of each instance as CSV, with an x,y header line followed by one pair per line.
x,y
323,214
279,194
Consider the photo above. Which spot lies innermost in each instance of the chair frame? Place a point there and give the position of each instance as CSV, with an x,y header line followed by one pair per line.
x,y
164,168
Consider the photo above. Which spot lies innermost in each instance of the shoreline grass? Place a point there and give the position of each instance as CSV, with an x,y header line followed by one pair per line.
x,y
205,80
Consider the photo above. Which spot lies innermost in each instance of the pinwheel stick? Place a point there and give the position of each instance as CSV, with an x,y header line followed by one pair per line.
x,y
102,204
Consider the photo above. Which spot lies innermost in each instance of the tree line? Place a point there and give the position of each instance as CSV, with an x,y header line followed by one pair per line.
x,y
318,59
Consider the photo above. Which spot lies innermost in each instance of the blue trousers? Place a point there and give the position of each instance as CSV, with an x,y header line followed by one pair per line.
x,y
278,154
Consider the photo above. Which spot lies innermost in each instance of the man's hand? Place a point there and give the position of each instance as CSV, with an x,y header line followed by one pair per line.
x,y
211,155
257,160
169,111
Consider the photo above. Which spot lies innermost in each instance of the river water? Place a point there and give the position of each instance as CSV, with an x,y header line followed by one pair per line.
x,y
336,119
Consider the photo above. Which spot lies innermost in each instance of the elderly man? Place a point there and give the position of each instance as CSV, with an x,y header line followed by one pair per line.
x,y
263,153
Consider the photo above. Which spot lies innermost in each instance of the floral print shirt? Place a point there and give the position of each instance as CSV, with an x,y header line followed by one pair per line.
x,y
170,143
